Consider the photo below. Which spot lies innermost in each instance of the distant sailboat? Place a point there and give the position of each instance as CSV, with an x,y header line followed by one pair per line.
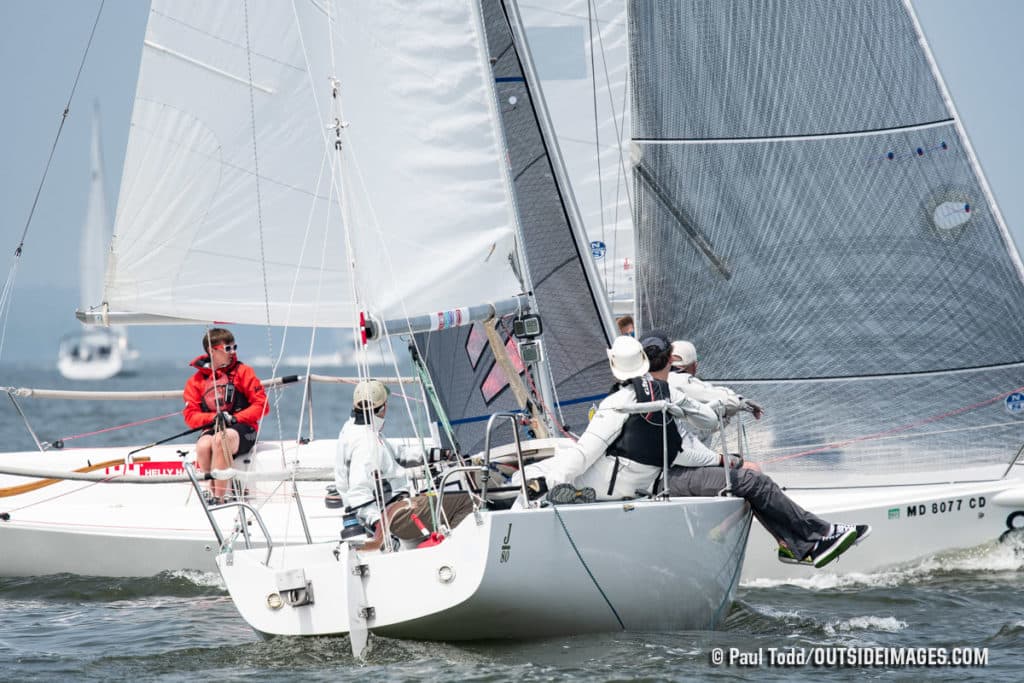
x,y
94,353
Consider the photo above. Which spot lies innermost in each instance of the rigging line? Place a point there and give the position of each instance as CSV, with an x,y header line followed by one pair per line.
x,y
63,120
597,128
121,426
802,136
992,425
259,218
859,378
896,430
584,563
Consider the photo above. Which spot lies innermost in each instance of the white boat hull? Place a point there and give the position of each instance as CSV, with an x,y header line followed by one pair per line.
x,y
642,565
908,521
96,355
142,529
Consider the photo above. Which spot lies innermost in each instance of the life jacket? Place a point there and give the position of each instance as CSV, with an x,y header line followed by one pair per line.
x,y
219,393
643,435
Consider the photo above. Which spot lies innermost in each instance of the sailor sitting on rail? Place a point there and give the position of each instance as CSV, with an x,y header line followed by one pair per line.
x,y
724,400
621,453
368,469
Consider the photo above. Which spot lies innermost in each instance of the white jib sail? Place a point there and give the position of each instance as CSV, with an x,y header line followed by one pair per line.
x,y
229,209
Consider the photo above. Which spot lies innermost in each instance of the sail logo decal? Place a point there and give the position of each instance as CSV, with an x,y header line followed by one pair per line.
x,y
1015,403
144,469
506,545
598,249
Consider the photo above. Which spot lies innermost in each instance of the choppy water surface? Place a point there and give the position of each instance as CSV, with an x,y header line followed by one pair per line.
x,y
182,626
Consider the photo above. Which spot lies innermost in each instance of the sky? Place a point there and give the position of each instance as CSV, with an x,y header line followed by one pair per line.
x,y
975,42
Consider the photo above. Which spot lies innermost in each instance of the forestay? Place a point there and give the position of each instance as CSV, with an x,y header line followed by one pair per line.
x,y
567,291
810,213
243,169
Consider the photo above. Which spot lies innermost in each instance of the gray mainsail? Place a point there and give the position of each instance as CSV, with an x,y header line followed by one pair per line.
x,y
810,214
572,306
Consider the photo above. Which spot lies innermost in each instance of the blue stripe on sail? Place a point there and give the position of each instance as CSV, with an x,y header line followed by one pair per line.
x,y
509,79
481,418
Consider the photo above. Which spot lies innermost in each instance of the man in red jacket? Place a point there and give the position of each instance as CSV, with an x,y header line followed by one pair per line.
x,y
227,396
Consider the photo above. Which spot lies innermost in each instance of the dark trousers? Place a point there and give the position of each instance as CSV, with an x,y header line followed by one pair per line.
x,y
784,519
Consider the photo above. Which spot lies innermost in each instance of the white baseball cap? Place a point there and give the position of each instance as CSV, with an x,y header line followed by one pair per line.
x,y
686,351
372,392
627,358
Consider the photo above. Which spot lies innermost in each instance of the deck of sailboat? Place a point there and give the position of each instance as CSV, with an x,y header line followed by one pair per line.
x,y
134,529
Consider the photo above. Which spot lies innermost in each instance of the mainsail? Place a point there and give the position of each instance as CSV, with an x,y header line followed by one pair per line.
x,y
256,139
570,300
810,213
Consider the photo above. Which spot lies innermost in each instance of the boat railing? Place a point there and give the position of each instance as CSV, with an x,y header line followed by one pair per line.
x,y
667,408
443,481
15,393
514,419
242,523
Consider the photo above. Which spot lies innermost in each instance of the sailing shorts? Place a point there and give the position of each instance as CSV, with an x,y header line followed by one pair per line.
x,y
246,437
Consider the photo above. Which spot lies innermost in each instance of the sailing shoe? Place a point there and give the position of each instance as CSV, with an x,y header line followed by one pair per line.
x,y
840,537
564,494
786,556
863,531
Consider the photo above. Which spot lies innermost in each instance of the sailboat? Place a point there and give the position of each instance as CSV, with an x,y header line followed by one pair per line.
x,y
95,353
385,168
501,573
809,211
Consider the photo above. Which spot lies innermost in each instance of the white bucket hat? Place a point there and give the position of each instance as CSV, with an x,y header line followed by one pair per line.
x,y
627,358
372,392
686,351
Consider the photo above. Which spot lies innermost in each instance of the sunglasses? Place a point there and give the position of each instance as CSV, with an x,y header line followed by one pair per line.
x,y
230,348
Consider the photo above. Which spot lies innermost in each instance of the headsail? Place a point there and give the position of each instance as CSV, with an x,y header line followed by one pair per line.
x,y
246,132
570,300
811,215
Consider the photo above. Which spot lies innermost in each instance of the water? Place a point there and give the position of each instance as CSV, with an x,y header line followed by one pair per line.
x,y
178,625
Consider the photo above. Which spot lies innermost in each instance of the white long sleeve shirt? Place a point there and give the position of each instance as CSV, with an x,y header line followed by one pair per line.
x,y
722,400
362,450
585,463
